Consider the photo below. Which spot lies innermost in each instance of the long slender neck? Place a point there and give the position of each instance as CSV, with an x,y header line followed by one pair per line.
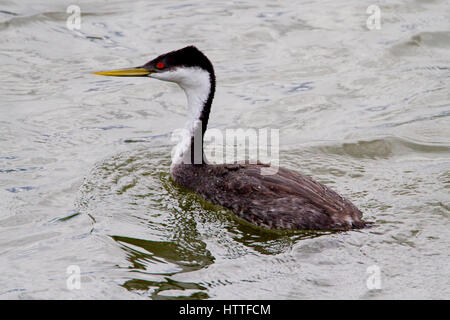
x,y
199,86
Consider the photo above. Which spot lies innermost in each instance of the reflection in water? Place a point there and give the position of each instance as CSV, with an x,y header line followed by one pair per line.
x,y
152,253
141,183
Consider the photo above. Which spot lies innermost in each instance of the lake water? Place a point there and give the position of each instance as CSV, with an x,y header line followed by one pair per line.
x,y
84,160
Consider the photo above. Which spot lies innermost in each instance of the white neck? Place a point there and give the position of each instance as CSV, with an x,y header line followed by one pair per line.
x,y
196,84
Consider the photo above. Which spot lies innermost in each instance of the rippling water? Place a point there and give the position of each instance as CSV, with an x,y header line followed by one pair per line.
x,y
84,160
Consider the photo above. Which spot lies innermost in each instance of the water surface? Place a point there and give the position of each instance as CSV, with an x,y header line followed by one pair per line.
x,y
84,160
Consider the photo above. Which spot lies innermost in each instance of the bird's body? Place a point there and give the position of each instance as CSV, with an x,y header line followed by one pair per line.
x,y
282,200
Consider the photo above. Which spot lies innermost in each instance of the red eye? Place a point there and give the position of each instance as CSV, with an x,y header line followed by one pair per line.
x,y
160,65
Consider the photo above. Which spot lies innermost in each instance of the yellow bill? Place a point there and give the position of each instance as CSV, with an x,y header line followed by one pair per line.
x,y
134,72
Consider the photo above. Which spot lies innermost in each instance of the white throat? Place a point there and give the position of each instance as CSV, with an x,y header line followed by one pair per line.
x,y
197,85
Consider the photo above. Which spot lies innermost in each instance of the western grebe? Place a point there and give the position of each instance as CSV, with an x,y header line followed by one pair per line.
x,y
284,200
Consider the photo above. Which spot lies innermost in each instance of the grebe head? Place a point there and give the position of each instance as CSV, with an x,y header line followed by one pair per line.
x,y
188,67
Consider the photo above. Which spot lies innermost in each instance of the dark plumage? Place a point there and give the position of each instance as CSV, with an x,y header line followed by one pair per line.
x,y
286,200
